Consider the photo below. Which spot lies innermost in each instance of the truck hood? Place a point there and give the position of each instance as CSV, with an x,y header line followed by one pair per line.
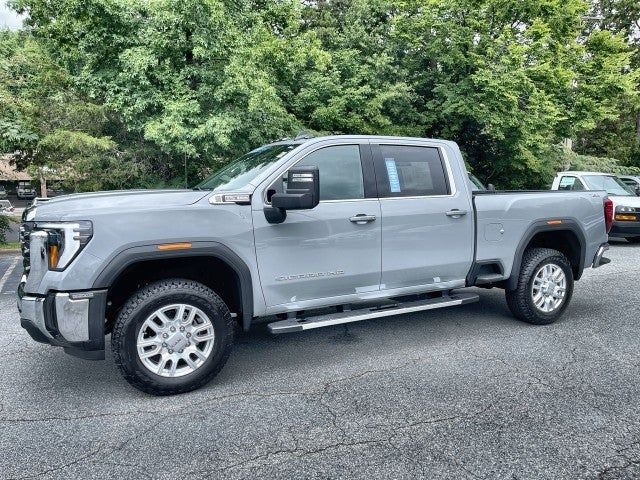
x,y
625,201
76,205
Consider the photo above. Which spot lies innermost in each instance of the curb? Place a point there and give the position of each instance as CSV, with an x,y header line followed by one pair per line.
x,y
9,253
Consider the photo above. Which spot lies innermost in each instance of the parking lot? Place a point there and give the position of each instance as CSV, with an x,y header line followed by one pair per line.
x,y
467,392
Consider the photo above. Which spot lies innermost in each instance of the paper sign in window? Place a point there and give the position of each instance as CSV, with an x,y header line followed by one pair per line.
x,y
392,173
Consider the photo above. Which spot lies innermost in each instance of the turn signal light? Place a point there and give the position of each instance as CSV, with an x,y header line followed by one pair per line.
x,y
626,218
54,256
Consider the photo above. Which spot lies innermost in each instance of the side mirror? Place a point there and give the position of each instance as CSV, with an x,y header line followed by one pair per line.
x,y
638,190
491,187
302,193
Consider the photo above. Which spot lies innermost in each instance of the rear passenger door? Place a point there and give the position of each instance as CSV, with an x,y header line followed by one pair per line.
x,y
427,217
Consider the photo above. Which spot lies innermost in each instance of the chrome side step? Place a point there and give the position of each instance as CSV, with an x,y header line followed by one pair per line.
x,y
299,324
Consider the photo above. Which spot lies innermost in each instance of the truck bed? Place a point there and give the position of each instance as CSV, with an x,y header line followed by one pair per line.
x,y
506,221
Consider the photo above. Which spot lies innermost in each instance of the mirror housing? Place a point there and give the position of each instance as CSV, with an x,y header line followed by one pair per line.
x,y
302,193
491,187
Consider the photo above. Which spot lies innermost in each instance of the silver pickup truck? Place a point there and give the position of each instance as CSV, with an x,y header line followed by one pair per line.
x,y
304,234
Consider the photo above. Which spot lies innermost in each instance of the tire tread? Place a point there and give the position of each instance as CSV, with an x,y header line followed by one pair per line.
x,y
155,291
518,299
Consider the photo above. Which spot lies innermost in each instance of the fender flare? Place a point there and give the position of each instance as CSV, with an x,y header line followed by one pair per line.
x,y
132,254
540,226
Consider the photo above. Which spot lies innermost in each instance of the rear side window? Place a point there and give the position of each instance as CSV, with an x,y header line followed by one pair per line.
x,y
410,171
570,183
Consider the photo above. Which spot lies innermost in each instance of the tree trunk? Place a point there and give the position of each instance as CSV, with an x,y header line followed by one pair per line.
x,y
43,185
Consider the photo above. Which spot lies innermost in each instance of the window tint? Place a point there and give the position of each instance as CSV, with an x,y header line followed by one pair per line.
x,y
408,171
570,183
340,172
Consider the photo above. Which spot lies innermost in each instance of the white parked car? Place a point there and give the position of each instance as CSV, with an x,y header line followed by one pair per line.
x,y
5,207
626,204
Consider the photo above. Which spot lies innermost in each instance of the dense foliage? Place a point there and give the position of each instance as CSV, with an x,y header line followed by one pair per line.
x,y
5,225
119,93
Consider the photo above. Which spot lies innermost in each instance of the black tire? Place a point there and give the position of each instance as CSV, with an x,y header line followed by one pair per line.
x,y
520,300
633,239
142,304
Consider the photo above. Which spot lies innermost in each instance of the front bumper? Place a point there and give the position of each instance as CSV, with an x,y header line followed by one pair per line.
x,y
625,229
74,321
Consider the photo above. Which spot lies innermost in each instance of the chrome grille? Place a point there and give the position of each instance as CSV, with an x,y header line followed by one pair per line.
x,y
25,232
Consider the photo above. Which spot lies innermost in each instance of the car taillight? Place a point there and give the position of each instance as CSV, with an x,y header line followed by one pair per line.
x,y
608,214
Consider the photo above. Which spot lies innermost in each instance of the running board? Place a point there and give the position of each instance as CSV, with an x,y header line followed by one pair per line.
x,y
299,324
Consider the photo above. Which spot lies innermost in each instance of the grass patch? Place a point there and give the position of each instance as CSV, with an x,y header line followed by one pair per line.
x,y
10,246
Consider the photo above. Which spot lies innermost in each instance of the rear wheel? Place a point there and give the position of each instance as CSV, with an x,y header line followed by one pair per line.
x,y
172,336
545,286
633,239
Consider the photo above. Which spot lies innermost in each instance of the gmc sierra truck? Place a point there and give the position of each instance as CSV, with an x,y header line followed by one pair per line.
x,y
303,233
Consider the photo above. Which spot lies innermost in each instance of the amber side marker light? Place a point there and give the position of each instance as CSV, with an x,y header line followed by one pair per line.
x,y
554,222
53,256
628,218
174,246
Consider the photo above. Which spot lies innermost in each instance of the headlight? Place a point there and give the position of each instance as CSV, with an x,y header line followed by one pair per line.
x,y
625,209
65,240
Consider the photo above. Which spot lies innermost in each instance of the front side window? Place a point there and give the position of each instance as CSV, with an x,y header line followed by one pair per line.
x,y
340,170
612,185
410,171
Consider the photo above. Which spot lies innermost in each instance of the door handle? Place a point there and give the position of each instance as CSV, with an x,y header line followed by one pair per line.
x,y
361,219
455,213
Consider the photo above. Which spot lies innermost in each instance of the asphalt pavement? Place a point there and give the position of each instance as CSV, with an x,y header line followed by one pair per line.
x,y
466,392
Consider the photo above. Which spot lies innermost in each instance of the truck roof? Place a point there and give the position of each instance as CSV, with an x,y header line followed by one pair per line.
x,y
300,141
582,172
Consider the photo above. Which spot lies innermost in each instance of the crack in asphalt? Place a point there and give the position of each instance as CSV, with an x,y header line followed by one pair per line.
x,y
58,467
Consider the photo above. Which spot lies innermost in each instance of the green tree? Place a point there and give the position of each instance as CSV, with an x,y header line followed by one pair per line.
x,y
197,82
508,80
194,78
617,137
43,120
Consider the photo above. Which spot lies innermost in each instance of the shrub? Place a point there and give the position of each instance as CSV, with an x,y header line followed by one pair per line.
x,y
5,224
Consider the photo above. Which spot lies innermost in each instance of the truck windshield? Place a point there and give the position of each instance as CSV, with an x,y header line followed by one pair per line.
x,y
612,185
241,171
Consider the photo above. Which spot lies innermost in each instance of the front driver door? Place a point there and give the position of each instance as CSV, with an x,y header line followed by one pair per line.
x,y
332,250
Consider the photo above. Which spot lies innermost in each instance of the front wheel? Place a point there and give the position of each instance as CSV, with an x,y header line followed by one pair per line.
x,y
545,286
172,336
